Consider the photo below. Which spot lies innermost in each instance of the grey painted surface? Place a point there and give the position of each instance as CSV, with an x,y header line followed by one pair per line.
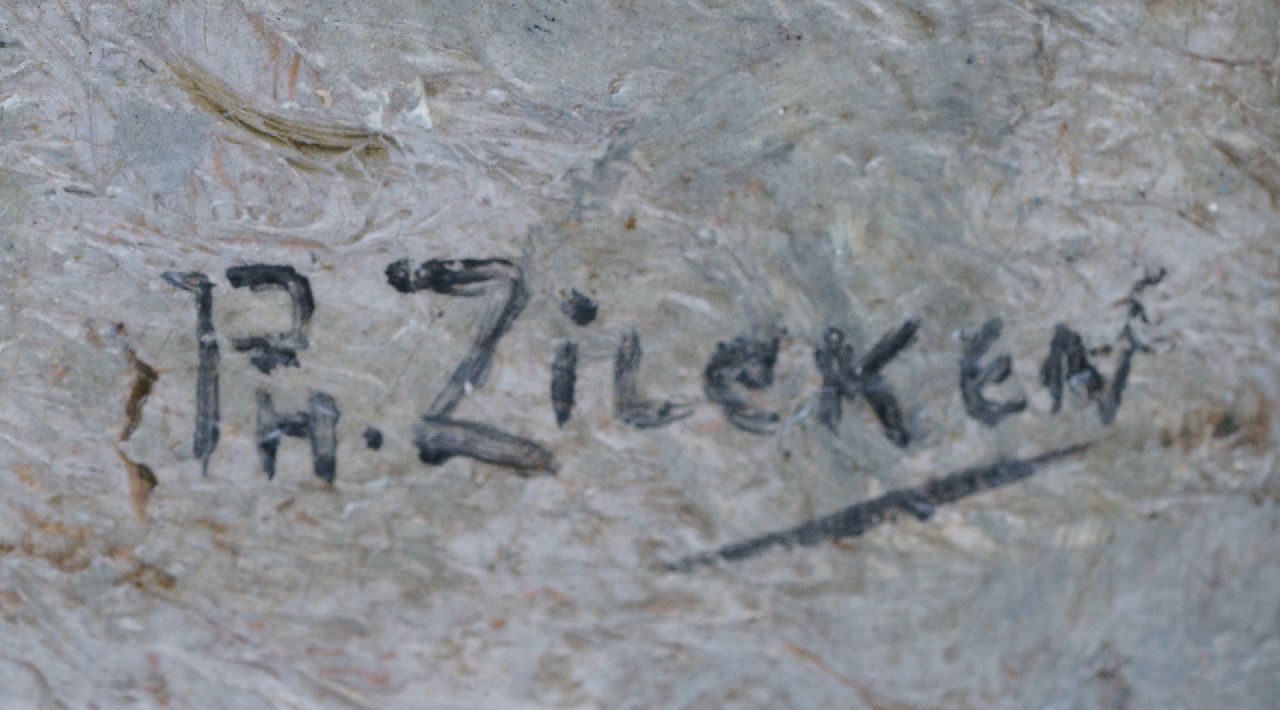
x,y
703,170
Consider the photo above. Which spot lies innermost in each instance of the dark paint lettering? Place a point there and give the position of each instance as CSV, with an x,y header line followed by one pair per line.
x,y
208,410
1136,309
438,436
748,362
1068,361
324,435
468,278
1109,404
281,349
628,405
842,379
441,438
828,357
1068,365
579,308
319,425
974,376
564,378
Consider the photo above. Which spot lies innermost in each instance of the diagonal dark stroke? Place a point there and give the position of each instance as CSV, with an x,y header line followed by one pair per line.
x,y
919,502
